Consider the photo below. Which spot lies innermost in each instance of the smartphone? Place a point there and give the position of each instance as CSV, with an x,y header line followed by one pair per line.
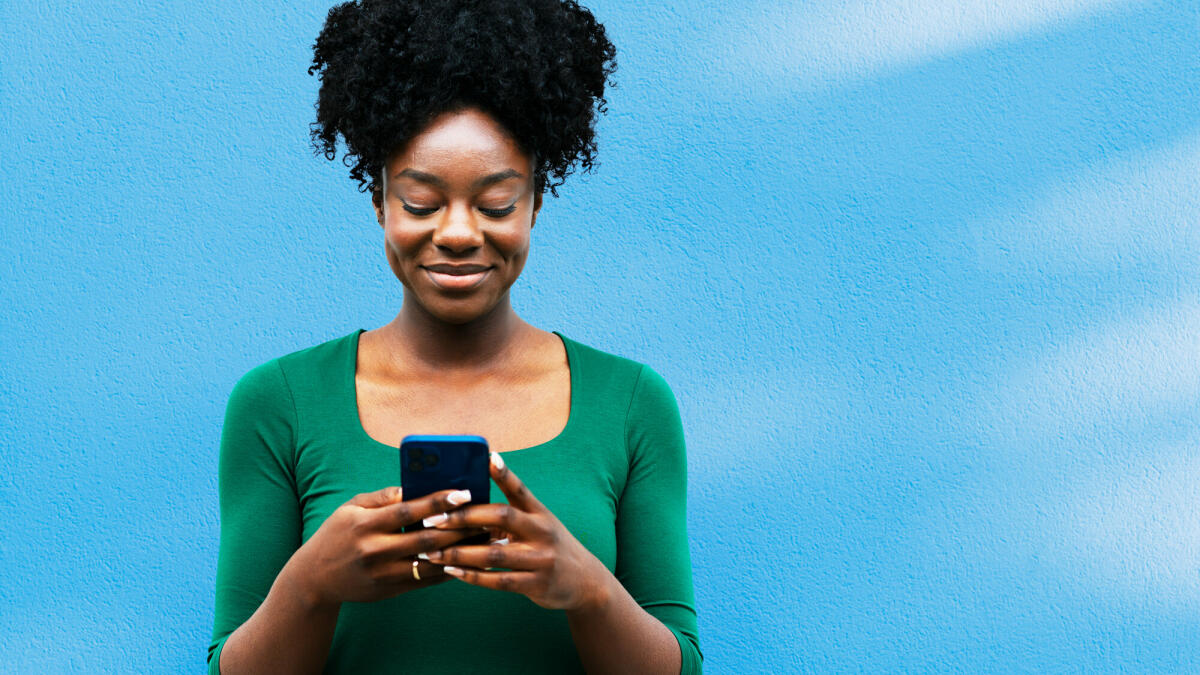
x,y
432,463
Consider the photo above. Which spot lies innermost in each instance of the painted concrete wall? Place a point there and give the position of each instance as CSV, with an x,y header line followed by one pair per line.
x,y
922,274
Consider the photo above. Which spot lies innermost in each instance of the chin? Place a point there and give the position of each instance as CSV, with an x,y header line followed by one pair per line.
x,y
452,308
458,313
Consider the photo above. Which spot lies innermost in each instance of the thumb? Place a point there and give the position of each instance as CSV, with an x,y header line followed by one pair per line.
x,y
378,498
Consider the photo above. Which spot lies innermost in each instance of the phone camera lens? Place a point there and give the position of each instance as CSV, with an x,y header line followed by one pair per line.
x,y
415,465
431,460
415,453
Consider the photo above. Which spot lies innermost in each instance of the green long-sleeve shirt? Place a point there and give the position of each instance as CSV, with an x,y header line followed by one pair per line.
x,y
293,450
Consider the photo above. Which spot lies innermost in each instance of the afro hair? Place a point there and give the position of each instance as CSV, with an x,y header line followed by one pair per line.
x,y
389,67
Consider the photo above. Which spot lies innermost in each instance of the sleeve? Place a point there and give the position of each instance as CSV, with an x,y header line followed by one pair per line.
x,y
259,509
653,561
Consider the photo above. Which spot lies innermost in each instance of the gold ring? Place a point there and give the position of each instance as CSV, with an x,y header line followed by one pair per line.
x,y
416,575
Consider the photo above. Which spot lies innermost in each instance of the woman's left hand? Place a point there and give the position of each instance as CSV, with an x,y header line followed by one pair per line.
x,y
547,563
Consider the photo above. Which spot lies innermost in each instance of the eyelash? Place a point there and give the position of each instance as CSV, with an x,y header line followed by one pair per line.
x,y
498,213
491,213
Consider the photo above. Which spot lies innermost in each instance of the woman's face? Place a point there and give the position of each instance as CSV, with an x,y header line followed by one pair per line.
x,y
456,206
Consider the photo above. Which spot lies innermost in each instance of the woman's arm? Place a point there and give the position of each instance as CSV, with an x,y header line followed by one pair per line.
x,y
648,617
290,632
263,621
615,635
277,600
359,554
653,557
611,632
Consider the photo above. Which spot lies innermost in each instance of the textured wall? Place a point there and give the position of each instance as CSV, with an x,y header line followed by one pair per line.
x,y
922,274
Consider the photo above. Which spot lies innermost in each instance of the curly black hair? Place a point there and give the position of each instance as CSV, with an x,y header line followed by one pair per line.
x,y
389,67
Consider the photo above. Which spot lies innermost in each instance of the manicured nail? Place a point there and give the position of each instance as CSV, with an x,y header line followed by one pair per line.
x,y
431,556
497,462
502,541
454,571
431,521
459,497
399,495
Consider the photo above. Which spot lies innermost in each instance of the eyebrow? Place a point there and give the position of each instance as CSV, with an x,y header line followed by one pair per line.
x,y
482,182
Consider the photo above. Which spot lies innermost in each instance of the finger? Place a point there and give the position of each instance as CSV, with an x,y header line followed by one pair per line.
x,y
515,556
399,514
378,498
406,545
512,487
503,516
514,582
400,573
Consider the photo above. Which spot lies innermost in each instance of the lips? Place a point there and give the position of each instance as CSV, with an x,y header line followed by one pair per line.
x,y
445,268
457,277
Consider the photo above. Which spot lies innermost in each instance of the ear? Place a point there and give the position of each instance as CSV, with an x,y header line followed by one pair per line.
x,y
377,202
537,206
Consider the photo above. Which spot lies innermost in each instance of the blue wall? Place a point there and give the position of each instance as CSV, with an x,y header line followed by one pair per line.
x,y
923,276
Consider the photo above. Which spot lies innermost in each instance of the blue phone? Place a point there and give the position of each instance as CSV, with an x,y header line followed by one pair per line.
x,y
432,463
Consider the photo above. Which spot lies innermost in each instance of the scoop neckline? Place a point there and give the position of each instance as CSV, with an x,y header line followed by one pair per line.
x,y
356,419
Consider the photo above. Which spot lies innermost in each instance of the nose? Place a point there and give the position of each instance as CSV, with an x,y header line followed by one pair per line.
x,y
458,229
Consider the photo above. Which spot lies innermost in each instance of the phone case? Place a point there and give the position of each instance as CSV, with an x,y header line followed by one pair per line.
x,y
432,463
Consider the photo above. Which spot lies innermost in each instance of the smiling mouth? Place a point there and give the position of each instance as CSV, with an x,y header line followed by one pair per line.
x,y
457,281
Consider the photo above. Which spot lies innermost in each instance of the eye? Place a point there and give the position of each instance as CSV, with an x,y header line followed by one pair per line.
x,y
498,213
418,211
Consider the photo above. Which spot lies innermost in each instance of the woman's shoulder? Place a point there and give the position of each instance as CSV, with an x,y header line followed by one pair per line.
x,y
317,361
615,372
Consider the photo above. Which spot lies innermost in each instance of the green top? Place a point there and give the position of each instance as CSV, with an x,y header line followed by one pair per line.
x,y
293,450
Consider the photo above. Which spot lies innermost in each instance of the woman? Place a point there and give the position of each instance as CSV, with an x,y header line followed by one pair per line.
x,y
459,115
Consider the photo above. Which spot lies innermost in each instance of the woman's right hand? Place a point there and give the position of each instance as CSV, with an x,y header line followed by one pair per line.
x,y
359,553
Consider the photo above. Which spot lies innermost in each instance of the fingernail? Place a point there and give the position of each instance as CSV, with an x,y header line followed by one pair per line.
x,y
453,571
502,541
459,497
496,461
399,494
431,556
434,520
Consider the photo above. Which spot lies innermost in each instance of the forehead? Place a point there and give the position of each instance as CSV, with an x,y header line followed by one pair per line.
x,y
459,142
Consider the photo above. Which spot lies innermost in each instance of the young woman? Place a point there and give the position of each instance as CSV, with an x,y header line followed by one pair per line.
x,y
459,115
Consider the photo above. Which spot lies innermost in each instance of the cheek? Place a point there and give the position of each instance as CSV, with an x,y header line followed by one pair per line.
x,y
516,244
399,241
400,254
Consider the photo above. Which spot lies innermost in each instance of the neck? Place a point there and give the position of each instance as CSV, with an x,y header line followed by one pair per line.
x,y
424,342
